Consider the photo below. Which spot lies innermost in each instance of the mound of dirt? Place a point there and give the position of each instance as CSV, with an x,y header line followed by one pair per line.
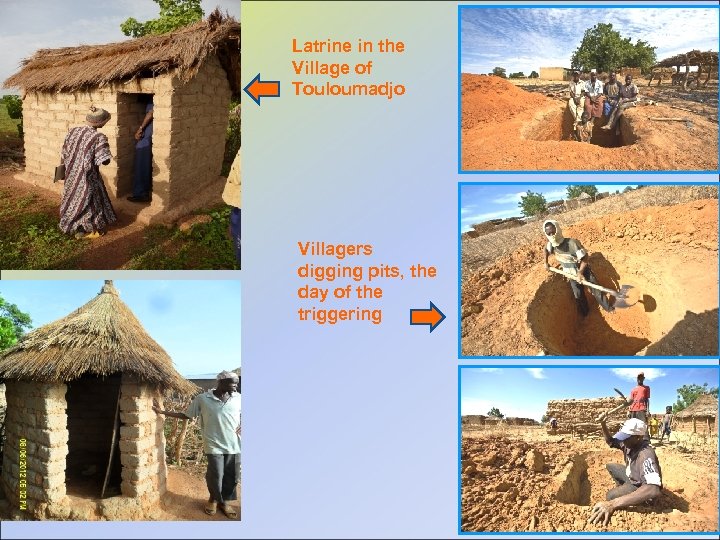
x,y
504,490
668,255
507,128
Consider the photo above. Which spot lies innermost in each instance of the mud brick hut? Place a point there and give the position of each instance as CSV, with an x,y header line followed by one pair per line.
x,y
189,75
700,417
79,403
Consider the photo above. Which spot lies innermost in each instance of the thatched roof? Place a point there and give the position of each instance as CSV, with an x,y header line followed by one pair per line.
x,y
704,405
101,338
71,69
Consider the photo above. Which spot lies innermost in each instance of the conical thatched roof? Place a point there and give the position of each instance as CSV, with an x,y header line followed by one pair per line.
x,y
71,69
704,405
102,337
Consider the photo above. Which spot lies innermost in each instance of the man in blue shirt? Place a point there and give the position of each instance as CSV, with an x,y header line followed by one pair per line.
x,y
142,179
219,413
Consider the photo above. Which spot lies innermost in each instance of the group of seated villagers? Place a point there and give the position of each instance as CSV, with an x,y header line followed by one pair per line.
x,y
592,99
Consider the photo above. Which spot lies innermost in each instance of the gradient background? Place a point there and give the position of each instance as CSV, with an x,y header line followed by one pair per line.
x,y
348,431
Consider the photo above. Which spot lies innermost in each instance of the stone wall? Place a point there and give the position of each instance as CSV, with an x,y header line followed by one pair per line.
x,y
142,441
36,447
581,413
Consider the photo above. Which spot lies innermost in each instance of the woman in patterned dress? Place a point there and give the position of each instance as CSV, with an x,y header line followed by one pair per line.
x,y
85,209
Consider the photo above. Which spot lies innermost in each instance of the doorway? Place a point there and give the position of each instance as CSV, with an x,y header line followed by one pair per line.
x,y
132,109
93,435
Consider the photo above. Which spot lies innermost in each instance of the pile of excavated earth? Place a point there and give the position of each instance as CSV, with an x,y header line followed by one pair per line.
x,y
504,127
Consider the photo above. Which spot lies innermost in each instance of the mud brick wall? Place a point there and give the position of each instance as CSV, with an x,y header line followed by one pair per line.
x,y
584,411
36,413
195,135
513,421
142,441
473,419
703,425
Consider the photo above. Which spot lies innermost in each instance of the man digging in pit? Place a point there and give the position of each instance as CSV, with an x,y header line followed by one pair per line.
x,y
576,103
639,480
573,258
219,412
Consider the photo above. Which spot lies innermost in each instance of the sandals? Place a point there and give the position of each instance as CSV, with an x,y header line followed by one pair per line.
x,y
229,511
211,508
95,234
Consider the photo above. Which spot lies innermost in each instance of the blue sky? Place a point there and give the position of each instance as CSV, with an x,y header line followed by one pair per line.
x,y
196,322
480,202
29,25
526,39
524,392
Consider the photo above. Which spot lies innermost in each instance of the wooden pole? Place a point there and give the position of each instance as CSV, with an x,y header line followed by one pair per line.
x,y
180,441
116,429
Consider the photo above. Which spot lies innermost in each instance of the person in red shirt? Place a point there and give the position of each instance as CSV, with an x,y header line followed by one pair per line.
x,y
640,402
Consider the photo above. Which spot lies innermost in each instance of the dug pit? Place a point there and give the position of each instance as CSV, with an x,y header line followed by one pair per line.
x,y
657,321
556,124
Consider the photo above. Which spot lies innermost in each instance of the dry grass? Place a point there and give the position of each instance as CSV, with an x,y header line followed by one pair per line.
x,y
478,253
71,69
101,338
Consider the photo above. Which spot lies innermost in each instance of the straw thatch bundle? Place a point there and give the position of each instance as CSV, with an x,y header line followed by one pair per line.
x,y
71,69
101,338
706,405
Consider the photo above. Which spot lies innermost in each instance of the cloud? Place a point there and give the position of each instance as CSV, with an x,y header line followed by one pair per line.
x,y
490,369
537,373
509,197
630,374
526,39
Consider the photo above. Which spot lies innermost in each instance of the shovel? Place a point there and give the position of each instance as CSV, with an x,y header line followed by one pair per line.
x,y
621,296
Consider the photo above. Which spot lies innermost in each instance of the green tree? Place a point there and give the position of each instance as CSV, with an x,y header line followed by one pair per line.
x,y
496,413
576,191
13,323
13,104
499,72
605,49
534,74
518,75
532,204
688,393
627,188
174,14
544,418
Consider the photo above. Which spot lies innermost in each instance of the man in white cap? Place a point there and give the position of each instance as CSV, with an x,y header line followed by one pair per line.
x,y
639,480
219,412
573,258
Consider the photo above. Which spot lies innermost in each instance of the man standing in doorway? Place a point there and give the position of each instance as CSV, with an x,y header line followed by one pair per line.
x,y
142,179
219,412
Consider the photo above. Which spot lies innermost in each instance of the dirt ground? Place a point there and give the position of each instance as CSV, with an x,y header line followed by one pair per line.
x,y
508,127
668,254
555,487
186,497
109,252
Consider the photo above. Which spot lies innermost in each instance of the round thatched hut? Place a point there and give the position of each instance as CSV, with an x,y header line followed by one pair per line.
x,y
700,417
79,421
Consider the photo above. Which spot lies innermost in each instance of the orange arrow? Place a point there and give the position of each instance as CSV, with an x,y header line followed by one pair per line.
x,y
258,89
432,316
